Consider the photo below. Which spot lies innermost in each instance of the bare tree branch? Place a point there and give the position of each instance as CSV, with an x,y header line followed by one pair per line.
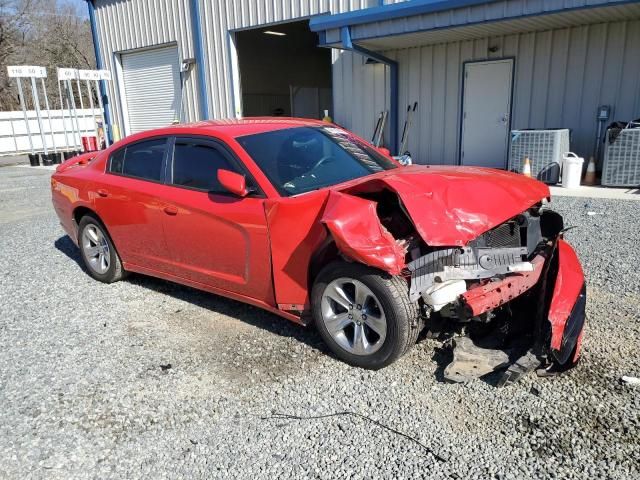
x,y
49,33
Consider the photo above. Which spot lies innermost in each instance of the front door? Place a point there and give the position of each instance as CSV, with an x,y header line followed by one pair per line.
x,y
214,237
486,113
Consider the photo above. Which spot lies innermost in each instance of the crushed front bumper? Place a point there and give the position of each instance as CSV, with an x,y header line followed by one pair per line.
x,y
543,300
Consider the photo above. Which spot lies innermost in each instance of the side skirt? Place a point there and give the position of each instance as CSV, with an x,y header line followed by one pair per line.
x,y
217,291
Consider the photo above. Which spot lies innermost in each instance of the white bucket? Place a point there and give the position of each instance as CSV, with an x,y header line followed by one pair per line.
x,y
571,170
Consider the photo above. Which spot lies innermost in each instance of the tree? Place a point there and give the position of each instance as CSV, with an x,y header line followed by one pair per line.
x,y
47,33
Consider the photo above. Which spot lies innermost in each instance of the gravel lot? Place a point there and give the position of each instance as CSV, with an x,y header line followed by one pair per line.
x,y
86,389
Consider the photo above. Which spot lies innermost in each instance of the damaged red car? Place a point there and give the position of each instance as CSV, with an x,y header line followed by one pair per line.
x,y
310,222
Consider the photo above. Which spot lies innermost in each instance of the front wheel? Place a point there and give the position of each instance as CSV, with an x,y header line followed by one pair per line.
x,y
364,315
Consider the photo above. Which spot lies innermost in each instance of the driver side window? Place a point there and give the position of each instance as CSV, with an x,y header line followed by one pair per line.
x,y
196,164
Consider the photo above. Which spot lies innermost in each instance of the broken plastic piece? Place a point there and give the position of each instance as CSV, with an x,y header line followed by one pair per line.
x,y
630,380
470,361
567,309
525,364
521,267
440,294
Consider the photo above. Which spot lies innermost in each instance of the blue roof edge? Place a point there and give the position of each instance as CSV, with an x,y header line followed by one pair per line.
x,y
388,12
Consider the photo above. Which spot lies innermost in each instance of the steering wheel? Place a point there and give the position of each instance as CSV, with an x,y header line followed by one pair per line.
x,y
325,159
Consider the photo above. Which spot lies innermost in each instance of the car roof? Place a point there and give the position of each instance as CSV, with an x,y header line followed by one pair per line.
x,y
238,127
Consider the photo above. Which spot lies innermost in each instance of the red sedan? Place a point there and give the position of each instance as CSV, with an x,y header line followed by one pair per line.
x,y
312,223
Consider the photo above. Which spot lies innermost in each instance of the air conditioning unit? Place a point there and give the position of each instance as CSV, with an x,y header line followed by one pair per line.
x,y
621,166
543,148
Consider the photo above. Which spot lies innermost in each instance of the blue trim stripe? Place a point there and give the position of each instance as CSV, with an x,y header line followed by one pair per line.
x,y
347,44
388,12
422,7
203,94
99,65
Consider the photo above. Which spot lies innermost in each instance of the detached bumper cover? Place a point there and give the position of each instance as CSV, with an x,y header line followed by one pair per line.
x,y
567,308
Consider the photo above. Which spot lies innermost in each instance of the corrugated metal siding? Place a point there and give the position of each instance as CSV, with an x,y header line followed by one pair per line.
x,y
221,16
360,92
134,24
505,27
561,76
496,10
131,24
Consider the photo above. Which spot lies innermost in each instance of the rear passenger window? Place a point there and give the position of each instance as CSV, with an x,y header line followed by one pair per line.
x,y
144,160
117,161
196,166
140,160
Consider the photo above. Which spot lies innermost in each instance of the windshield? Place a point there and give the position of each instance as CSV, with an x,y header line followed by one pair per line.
x,y
301,159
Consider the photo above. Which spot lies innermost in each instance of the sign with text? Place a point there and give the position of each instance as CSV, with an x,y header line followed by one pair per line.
x,y
94,75
67,74
89,74
26,71
105,75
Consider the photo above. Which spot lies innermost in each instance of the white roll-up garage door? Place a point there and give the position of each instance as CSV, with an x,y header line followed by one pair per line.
x,y
151,88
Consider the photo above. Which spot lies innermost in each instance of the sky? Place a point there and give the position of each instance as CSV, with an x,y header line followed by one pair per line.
x,y
81,7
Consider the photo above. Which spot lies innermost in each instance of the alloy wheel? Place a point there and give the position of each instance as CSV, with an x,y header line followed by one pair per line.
x,y
353,316
96,249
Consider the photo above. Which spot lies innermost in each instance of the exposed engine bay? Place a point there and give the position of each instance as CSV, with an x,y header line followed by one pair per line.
x,y
487,300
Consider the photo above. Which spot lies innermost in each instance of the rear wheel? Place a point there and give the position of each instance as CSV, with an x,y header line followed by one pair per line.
x,y
98,252
364,315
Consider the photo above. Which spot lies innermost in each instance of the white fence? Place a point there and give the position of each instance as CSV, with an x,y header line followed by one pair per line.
x,y
61,132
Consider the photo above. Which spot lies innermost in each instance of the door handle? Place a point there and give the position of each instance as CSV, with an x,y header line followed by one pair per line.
x,y
103,193
170,210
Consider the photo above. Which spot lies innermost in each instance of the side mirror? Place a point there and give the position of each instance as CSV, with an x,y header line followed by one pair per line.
x,y
234,182
384,151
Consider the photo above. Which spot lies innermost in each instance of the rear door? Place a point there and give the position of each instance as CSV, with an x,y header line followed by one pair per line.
x,y
127,202
214,237
486,113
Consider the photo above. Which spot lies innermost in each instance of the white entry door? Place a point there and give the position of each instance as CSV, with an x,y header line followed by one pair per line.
x,y
151,87
485,113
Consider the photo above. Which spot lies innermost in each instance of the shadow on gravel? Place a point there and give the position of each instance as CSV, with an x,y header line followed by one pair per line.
x,y
66,246
241,311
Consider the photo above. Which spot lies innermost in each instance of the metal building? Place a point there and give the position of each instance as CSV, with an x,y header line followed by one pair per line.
x,y
477,68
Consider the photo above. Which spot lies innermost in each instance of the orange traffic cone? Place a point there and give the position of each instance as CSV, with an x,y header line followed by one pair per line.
x,y
590,176
526,168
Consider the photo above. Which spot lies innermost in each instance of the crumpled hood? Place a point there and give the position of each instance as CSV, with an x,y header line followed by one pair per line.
x,y
451,206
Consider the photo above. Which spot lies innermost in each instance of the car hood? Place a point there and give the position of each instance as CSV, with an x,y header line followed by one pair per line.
x,y
451,206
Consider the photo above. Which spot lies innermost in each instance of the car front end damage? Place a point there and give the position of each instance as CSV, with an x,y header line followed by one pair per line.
x,y
513,299
484,257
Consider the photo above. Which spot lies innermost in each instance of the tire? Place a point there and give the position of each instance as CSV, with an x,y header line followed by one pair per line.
x,y
387,300
98,253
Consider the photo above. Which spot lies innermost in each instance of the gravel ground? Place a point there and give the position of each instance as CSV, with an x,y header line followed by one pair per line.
x,y
145,379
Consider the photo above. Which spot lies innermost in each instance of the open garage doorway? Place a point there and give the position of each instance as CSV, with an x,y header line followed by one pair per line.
x,y
283,72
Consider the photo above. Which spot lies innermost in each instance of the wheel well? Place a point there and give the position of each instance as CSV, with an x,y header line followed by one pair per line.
x,y
80,212
327,252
